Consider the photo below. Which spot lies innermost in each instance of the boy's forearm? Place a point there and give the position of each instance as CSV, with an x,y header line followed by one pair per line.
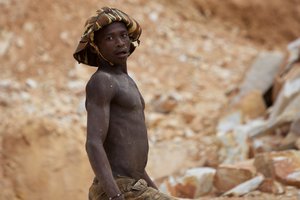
x,y
102,169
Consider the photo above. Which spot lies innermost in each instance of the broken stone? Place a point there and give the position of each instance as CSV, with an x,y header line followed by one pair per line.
x,y
153,119
153,16
229,176
297,143
261,74
266,143
31,83
271,186
251,105
290,141
81,106
283,166
294,50
234,148
194,183
65,37
5,40
5,2
229,122
29,27
76,85
165,103
20,42
287,169
245,187
234,145
289,91
284,111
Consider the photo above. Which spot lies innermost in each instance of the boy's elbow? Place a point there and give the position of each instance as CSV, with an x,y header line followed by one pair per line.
x,y
91,145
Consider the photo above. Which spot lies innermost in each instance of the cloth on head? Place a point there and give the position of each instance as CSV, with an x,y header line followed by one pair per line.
x,y
104,16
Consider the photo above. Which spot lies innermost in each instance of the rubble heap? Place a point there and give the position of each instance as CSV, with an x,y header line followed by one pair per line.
x,y
258,135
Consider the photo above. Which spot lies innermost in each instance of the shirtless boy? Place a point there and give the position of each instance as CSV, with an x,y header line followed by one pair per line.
x,y
117,142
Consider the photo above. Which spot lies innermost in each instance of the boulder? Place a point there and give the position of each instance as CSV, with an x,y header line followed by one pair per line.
x,y
261,74
229,176
283,166
246,187
194,183
271,186
251,105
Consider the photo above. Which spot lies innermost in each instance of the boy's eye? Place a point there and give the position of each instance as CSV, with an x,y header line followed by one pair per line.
x,y
109,38
125,35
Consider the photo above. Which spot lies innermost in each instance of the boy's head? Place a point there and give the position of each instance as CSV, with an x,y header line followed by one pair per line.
x,y
112,43
87,51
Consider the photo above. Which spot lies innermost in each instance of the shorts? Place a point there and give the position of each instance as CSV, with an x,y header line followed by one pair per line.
x,y
131,189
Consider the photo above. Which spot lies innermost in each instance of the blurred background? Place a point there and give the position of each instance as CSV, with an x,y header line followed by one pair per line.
x,y
192,55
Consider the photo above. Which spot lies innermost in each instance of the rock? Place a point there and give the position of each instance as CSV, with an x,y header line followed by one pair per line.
x,y
290,141
20,42
81,106
234,146
5,41
153,16
271,186
153,119
229,122
31,83
169,157
65,37
5,2
229,176
261,74
297,143
251,105
29,27
76,85
287,169
263,163
283,166
289,92
165,103
295,127
289,69
246,187
284,111
194,183
265,143
24,96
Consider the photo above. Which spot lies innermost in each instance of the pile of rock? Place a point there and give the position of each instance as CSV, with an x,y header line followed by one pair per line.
x,y
258,135
270,172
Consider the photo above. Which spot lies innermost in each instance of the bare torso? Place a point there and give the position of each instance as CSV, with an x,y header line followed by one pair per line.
x,y
126,144
126,141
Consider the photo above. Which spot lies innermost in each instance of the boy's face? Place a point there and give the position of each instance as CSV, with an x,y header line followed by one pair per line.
x,y
114,43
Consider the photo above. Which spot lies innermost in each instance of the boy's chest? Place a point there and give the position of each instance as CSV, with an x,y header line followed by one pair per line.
x,y
128,94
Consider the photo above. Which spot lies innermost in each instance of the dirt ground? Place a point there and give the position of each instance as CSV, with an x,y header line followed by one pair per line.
x,y
192,52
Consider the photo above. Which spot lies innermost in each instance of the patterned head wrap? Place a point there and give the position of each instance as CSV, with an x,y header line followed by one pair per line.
x,y
104,17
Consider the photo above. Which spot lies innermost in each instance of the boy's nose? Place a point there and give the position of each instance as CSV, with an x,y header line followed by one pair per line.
x,y
120,41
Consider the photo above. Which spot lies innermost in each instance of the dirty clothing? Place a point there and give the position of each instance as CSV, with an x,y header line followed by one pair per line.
x,y
104,17
131,189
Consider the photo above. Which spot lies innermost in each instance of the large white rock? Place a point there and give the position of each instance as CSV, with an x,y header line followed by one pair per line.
x,y
246,187
194,183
